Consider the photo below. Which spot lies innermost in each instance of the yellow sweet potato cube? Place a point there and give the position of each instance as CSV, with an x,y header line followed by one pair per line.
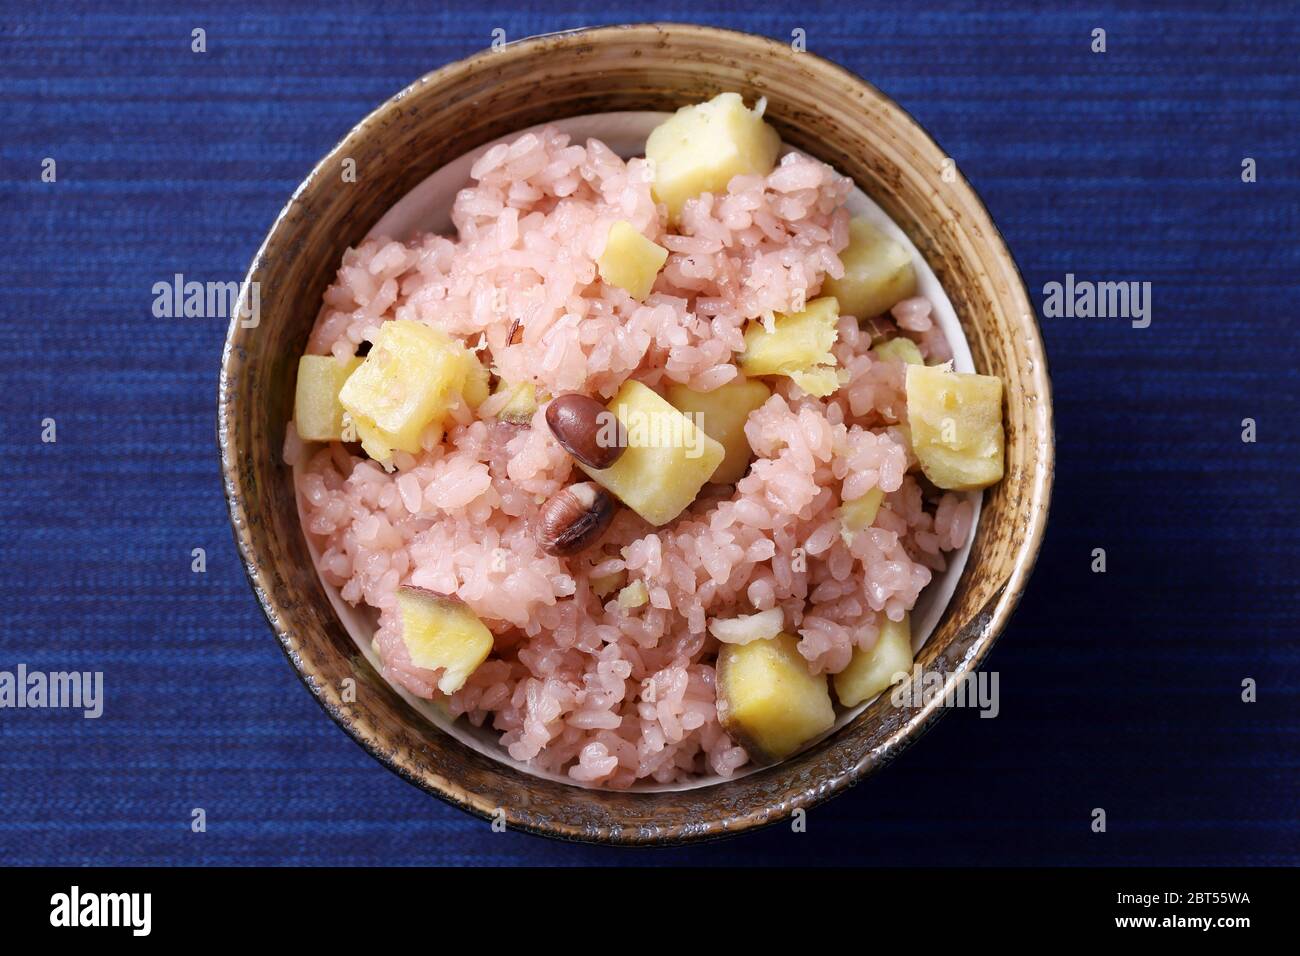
x,y
870,672
722,414
667,458
700,148
633,596
768,700
630,260
412,377
859,513
899,350
798,345
477,380
956,422
878,273
607,584
522,403
442,633
317,414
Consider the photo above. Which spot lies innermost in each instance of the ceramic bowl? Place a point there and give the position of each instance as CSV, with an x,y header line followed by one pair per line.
x,y
817,107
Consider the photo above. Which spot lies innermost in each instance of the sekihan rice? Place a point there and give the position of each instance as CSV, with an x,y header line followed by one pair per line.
x,y
576,685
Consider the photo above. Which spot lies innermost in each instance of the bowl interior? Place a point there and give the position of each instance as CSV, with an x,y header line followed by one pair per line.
x,y
817,108
427,207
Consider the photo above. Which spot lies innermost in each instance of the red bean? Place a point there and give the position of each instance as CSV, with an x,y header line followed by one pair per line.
x,y
580,424
574,518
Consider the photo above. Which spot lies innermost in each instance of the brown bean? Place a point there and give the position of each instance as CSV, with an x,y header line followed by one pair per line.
x,y
579,423
574,518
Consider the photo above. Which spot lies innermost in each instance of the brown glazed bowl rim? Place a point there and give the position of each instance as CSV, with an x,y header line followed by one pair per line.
x,y
998,611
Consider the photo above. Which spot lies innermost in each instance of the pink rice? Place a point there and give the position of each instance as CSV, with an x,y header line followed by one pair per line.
x,y
575,685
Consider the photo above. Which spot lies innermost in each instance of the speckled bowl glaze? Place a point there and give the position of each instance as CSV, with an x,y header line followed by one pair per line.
x,y
817,107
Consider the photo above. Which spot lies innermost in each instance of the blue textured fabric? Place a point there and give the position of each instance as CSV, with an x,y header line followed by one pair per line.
x,y
1118,690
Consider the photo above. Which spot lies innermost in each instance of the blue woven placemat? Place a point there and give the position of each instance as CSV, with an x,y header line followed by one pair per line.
x,y
1119,690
